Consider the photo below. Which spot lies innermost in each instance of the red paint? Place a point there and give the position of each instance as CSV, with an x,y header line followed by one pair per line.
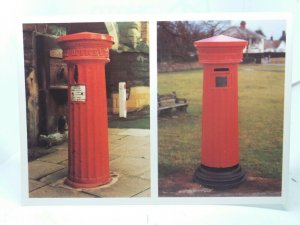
x,y
88,131
220,56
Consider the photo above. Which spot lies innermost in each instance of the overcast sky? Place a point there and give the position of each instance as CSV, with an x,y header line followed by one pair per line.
x,y
269,27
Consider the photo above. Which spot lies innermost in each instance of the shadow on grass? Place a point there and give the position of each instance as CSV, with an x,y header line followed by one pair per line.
x,y
139,123
138,120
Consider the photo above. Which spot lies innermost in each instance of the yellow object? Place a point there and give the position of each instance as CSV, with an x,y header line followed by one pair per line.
x,y
138,98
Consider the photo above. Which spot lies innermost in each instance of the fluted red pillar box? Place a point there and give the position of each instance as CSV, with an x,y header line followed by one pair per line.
x,y
86,55
219,166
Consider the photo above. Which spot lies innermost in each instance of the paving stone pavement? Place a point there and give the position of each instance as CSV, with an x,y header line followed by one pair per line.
x,y
129,151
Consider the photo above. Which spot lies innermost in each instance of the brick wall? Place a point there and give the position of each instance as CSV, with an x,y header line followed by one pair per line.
x,y
130,67
31,84
145,32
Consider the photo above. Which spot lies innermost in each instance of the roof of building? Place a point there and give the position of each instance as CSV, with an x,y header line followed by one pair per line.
x,y
242,32
271,44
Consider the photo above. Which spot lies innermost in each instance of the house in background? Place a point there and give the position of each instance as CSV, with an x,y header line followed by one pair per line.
x,y
259,47
271,45
255,40
281,47
276,45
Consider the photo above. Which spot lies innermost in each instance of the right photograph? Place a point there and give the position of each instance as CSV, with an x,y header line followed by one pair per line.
x,y
220,107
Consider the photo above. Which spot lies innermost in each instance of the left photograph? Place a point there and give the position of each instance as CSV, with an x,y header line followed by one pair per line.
x,y
87,109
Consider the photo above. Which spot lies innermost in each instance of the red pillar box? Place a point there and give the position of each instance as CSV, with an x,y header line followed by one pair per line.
x,y
86,55
219,166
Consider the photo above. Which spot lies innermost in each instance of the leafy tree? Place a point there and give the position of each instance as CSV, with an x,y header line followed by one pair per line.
x,y
175,39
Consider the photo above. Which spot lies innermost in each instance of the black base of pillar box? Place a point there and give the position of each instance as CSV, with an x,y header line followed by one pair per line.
x,y
219,178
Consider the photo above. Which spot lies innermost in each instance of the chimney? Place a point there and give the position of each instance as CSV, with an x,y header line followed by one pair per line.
x,y
283,36
271,38
243,25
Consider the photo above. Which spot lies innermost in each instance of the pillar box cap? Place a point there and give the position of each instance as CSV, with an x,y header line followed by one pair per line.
x,y
85,46
220,49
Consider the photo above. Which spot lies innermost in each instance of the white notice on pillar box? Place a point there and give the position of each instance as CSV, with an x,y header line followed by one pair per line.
x,y
78,93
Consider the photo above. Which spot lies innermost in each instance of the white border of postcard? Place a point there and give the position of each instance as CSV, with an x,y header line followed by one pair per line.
x,y
154,199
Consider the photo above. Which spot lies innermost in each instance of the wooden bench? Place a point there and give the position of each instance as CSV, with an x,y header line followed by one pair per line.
x,y
168,102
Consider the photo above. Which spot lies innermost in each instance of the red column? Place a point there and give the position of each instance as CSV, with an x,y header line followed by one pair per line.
x,y
220,147
219,166
86,55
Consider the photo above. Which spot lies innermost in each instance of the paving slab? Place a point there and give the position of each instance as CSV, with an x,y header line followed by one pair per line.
x,y
145,175
133,151
63,146
136,132
113,156
143,151
33,184
114,137
130,166
58,192
64,163
146,193
116,130
114,141
136,141
53,177
55,157
126,186
131,142
39,169
129,158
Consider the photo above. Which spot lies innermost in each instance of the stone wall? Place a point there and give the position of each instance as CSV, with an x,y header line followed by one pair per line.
x,y
130,62
129,67
31,85
145,32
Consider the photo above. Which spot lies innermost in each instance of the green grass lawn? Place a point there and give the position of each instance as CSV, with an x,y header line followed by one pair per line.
x,y
139,123
261,92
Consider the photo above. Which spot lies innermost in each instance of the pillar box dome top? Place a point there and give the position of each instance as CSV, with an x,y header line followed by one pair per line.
x,y
85,46
220,49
